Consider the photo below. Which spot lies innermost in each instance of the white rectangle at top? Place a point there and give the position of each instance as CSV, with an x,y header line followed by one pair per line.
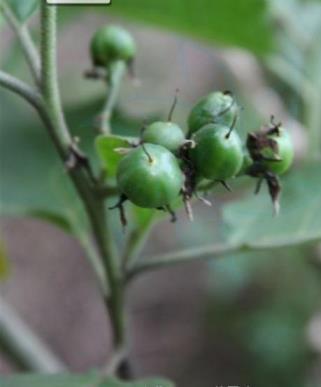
x,y
79,2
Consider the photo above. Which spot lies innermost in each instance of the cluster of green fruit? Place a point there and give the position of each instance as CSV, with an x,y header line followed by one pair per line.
x,y
167,163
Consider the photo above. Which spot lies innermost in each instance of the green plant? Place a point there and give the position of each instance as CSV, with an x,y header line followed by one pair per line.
x,y
112,43
218,154
284,151
167,134
89,187
150,177
217,107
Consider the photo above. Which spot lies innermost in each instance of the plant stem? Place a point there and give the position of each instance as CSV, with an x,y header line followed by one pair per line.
x,y
115,75
23,89
94,204
49,71
197,254
94,258
28,47
36,100
135,243
183,256
23,346
50,110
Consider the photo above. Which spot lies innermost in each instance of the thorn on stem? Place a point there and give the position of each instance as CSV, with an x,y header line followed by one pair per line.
x,y
77,158
258,186
120,206
187,203
203,200
96,73
172,213
225,185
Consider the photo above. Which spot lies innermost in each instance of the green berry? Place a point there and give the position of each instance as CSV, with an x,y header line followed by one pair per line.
x,y
217,155
110,44
167,134
246,164
150,176
217,107
285,152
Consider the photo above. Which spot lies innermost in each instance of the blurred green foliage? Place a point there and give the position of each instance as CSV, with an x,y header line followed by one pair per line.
x,y
243,23
22,9
4,263
261,303
76,381
250,220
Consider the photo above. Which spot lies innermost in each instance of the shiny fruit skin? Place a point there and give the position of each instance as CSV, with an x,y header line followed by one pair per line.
x,y
150,184
111,43
246,164
209,110
285,151
167,134
215,156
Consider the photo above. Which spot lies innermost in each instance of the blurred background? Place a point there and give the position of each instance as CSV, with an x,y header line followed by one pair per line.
x,y
250,319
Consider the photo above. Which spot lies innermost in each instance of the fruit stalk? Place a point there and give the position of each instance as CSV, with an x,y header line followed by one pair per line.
x,y
116,73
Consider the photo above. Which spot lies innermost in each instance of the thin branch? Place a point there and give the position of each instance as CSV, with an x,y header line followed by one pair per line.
x,y
183,256
49,77
23,346
115,75
23,89
94,259
135,243
35,99
29,49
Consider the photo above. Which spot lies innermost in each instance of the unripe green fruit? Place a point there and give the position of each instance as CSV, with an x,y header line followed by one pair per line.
x,y
216,155
112,43
285,151
217,107
167,134
152,179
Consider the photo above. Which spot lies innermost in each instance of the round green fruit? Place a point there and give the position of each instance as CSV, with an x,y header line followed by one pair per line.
x,y
285,152
167,134
110,44
216,155
217,107
150,176
246,164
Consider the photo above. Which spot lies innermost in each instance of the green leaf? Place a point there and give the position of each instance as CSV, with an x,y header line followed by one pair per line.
x,y
251,222
23,9
106,146
243,23
4,263
76,381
